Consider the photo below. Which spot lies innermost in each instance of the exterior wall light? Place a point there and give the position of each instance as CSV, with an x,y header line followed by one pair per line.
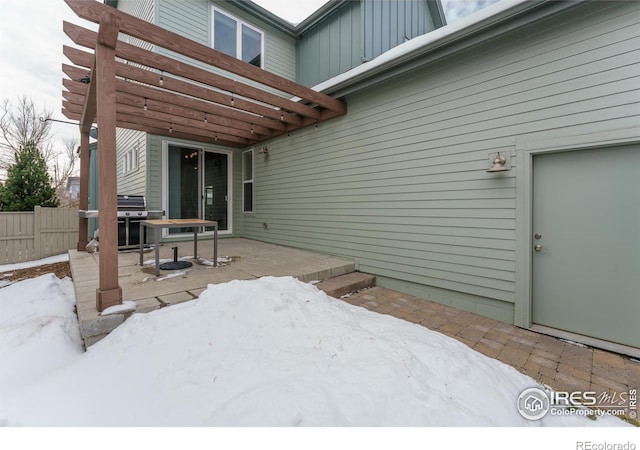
x,y
499,164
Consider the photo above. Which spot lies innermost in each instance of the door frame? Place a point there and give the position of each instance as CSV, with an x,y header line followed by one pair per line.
x,y
165,182
525,151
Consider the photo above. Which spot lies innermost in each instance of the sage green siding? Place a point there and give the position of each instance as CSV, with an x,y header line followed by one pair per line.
x,y
192,18
154,172
357,32
143,9
133,182
331,46
387,23
399,183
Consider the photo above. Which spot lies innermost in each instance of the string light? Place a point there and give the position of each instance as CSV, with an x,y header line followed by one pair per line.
x,y
281,115
145,104
251,128
205,118
161,78
232,99
170,128
215,138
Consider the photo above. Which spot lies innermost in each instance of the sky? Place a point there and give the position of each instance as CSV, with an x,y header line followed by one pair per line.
x,y
31,41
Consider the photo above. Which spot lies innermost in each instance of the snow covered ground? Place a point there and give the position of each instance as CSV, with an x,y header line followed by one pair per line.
x,y
268,352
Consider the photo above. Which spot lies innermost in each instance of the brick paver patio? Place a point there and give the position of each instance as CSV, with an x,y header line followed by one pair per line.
x,y
562,365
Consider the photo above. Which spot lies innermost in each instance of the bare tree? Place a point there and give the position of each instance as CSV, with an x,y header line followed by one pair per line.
x,y
21,124
63,165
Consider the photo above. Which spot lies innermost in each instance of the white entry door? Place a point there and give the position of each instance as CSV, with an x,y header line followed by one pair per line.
x,y
586,243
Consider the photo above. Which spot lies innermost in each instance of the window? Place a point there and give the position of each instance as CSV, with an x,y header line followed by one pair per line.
x,y
247,181
237,39
130,159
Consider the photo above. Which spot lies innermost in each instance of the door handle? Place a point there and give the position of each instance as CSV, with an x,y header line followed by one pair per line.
x,y
537,247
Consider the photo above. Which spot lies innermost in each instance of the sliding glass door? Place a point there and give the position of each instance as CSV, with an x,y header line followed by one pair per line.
x,y
198,185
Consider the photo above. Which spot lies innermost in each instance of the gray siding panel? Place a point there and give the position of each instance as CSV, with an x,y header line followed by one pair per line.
x,y
154,172
387,22
331,47
143,9
192,18
359,31
133,182
399,183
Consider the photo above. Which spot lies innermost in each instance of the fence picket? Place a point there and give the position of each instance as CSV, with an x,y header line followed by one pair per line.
x,y
27,236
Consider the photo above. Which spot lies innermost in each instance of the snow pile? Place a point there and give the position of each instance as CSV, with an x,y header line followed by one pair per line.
x,y
276,352
38,330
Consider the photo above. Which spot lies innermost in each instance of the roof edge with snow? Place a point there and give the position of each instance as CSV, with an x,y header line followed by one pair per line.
x,y
473,29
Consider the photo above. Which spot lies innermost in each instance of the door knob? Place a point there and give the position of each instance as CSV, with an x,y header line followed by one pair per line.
x,y
537,247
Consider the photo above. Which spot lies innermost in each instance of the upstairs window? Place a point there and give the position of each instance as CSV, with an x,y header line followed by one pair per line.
x,y
238,39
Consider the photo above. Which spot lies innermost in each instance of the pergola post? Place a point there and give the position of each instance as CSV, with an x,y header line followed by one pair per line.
x,y
83,224
109,293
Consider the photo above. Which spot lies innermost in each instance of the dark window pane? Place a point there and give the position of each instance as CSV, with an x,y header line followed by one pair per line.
x,y
247,170
251,46
248,197
224,34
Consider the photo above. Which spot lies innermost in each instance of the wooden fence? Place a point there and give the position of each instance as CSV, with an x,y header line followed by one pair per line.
x,y
27,236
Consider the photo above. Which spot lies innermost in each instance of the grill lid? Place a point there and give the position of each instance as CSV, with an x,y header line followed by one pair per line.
x,y
131,202
134,206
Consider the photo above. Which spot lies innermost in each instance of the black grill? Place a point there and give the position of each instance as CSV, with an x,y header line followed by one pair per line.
x,y
131,210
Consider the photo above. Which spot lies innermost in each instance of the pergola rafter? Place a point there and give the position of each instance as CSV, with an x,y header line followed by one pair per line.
x,y
230,103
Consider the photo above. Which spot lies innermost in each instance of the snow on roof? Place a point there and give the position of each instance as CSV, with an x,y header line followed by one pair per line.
x,y
420,44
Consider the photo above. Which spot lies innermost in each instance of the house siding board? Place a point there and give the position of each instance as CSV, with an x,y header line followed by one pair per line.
x,y
154,172
330,47
400,184
358,31
239,216
132,182
143,9
387,22
189,18
192,19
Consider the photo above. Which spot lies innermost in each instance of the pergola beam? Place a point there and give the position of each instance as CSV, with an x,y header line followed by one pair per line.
x,y
89,110
164,127
235,104
132,124
150,79
109,292
93,11
138,95
166,65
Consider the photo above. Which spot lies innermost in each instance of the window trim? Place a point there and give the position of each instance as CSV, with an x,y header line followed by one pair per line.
x,y
244,181
130,159
239,23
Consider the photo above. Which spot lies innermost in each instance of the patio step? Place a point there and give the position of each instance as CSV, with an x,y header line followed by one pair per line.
x,y
346,284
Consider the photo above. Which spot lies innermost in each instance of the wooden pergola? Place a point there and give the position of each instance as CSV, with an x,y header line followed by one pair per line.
x,y
116,84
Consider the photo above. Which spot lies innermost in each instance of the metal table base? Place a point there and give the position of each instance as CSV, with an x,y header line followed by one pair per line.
x,y
195,224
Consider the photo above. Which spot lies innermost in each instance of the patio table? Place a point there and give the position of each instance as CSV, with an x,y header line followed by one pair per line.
x,y
195,224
